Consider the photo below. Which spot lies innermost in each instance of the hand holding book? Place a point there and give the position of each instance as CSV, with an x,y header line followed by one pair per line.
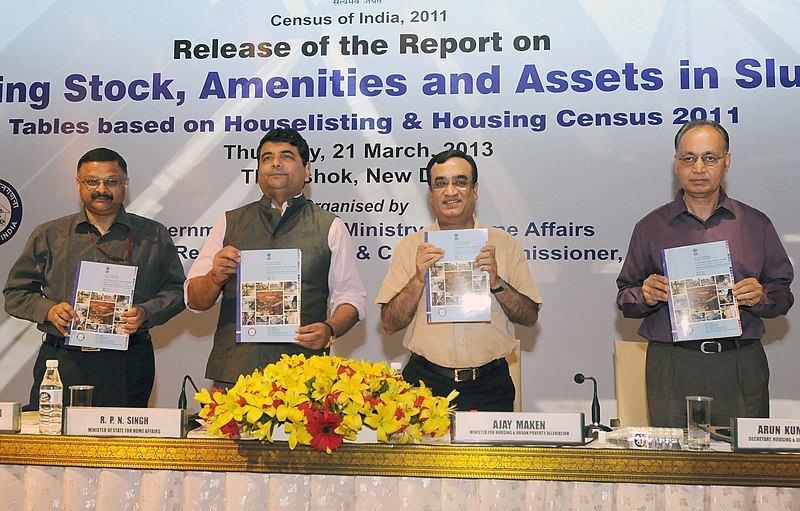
x,y
427,256
655,288
748,292
132,319
486,261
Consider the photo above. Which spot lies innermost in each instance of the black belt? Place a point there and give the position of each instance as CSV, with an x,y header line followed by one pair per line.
x,y
459,375
716,346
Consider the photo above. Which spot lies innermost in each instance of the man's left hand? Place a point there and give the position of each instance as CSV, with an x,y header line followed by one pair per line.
x,y
314,336
132,319
748,292
486,261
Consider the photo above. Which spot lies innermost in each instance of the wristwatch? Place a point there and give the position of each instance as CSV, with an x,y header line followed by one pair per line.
x,y
332,337
499,288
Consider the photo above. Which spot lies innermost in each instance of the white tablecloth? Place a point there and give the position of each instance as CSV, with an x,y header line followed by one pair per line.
x,y
87,489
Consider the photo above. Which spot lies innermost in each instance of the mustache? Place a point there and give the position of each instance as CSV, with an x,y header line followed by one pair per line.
x,y
99,195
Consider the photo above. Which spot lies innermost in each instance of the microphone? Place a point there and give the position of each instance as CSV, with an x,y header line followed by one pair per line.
x,y
182,397
191,423
591,429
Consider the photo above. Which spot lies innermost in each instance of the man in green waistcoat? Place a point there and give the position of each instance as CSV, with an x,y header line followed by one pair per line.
x,y
281,219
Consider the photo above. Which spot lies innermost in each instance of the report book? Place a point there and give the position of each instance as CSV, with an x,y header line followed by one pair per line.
x,y
456,290
701,302
103,291
268,301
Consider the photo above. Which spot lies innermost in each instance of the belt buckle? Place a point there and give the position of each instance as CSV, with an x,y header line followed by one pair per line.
x,y
474,374
86,348
717,349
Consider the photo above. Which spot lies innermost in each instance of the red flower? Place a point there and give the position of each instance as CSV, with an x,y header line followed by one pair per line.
x,y
330,401
346,369
275,388
271,402
321,426
231,429
213,404
306,408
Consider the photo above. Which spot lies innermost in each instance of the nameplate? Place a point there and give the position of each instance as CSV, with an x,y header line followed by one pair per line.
x,y
765,435
139,422
527,428
9,417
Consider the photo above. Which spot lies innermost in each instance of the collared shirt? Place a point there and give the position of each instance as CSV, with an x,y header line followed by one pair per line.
x,y
460,344
756,251
344,281
44,274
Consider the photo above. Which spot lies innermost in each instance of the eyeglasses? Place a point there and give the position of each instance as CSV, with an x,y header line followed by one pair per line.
x,y
111,182
709,160
462,183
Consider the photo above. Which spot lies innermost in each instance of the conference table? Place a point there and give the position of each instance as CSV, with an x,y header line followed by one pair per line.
x,y
117,473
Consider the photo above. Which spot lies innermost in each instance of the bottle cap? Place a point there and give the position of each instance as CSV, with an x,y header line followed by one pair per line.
x,y
51,363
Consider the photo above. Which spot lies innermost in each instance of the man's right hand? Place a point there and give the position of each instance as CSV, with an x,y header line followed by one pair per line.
x,y
427,256
655,288
224,265
398,312
60,315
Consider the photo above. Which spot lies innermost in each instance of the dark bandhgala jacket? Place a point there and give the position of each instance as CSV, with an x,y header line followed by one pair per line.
x,y
258,226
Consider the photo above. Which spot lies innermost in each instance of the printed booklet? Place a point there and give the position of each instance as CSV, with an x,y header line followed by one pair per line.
x,y
103,291
268,305
456,290
701,302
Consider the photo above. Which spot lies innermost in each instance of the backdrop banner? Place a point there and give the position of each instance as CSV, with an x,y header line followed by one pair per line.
x,y
569,108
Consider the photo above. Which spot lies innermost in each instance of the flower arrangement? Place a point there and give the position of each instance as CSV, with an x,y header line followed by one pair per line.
x,y
323,400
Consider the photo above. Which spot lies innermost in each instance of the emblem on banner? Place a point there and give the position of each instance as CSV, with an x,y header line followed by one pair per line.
x,y
10,211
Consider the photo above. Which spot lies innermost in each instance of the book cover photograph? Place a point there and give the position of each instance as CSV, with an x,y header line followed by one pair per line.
x,y
268,305
103,291
456,290
701,302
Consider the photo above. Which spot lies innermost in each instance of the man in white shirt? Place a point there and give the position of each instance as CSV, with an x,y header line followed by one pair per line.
x,y
282,218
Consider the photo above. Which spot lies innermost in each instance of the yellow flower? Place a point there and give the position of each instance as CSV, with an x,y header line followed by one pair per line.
x,y
296,391
383,419
322,387
393,389
351,422
204,397
226,408
411,434
350,388
297,433
292,396
436,413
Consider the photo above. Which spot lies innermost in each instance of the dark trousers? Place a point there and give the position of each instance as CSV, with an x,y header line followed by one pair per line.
x,y
120,378
491,391
738,380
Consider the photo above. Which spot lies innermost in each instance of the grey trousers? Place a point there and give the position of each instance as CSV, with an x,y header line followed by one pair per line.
x,y
738,380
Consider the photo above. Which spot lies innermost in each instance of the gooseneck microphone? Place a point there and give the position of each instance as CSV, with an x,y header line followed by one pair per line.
x,y
191,422
591,429
182,397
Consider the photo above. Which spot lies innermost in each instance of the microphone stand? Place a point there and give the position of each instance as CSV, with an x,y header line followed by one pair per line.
x,y
590,430
191,424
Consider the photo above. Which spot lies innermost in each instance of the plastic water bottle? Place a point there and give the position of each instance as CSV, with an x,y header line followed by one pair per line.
x,y
661,439
51,399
